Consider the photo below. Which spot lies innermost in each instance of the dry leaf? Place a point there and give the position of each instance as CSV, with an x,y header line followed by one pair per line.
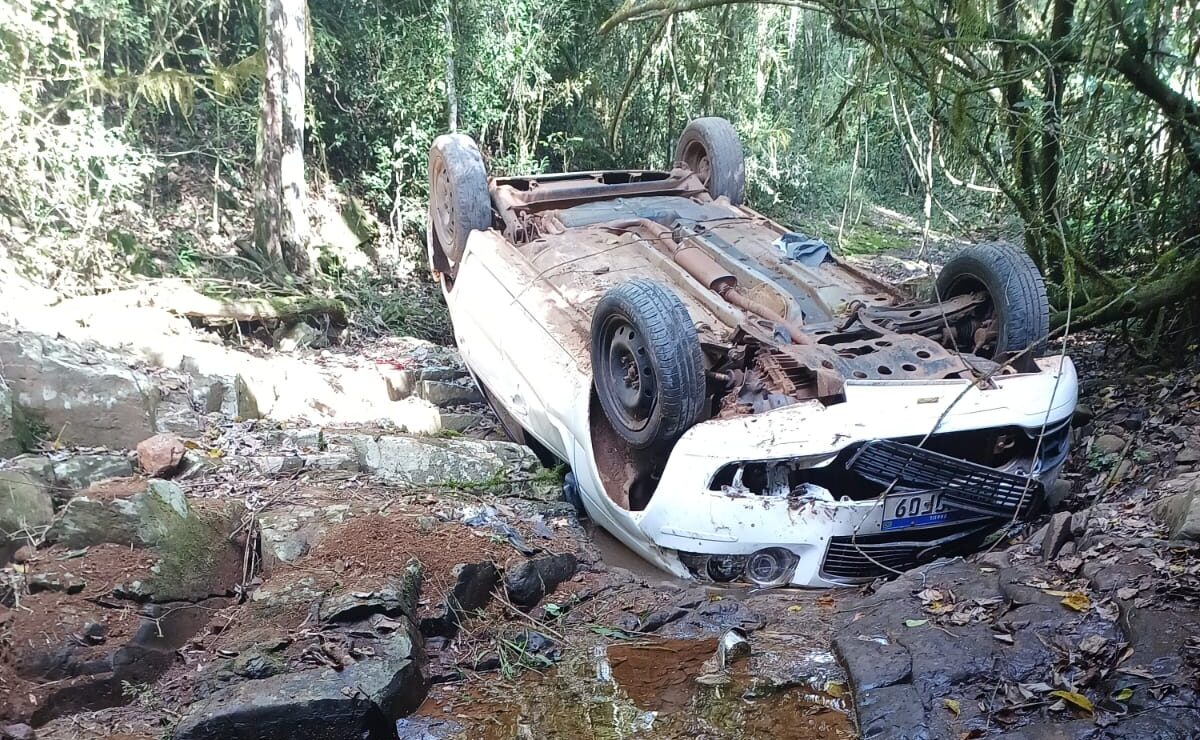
x,y
1127,593
1123,695
1006,639
836,689
795,608
1078,700
1077,601
951,705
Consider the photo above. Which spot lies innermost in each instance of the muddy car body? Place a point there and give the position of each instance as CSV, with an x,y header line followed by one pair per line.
x,y
735,402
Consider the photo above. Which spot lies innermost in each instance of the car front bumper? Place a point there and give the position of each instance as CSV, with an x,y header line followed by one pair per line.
x,y
840,541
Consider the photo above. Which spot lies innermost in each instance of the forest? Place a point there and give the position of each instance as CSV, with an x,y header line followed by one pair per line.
x,y
1069,126
859,398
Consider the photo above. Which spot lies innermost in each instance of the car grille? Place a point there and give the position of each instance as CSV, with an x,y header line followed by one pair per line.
x,y
964,485
871,555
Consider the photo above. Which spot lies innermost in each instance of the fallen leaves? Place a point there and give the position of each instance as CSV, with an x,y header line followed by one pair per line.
x,y
1074,698
952,706
1077,601
915,622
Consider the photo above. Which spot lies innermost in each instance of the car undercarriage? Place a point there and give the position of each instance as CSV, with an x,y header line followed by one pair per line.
x,y
736,401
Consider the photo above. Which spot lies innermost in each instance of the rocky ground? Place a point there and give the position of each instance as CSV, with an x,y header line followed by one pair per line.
x,y
336,542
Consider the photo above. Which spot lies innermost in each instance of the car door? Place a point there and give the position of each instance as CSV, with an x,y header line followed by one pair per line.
x,y
503,344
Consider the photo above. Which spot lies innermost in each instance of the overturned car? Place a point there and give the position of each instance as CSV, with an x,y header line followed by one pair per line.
x,y
735,402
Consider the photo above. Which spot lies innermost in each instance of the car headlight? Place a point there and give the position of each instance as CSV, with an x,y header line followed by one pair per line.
x,y
771,566
765,568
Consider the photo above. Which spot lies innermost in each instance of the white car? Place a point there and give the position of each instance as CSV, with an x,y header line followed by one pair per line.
x,y
735,402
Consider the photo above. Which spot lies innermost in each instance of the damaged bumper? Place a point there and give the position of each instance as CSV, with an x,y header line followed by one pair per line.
x,y
812,495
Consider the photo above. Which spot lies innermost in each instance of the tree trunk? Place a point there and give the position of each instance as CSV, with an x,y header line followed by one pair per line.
x,y
451,80
280,221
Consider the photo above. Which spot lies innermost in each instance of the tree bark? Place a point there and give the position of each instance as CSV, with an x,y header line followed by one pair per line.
x,y
451,77
280,222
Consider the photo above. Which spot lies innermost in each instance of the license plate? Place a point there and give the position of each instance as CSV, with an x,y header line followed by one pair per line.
x,y
907,510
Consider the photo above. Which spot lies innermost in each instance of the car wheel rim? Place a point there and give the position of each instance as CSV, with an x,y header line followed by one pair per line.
x,y
695,156
442,206
627,373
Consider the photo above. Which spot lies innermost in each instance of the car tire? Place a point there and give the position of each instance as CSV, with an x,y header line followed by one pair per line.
x,y
711,148
1016,292
647,365
459,202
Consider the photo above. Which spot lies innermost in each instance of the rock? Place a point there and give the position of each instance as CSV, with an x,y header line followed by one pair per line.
x,y
222,393
1079,522
1109,444
1188,456
389,600
472,590
363,700
26,509
1057,492
346,462
256,665
424,461
160,455
1180,512
88,397
198,558
15,435
890,662
529,581
1058,533
61,582
998,559
449,393
18,731
298,336
1083,415
419,727
288,532
82,471
461,422
892,713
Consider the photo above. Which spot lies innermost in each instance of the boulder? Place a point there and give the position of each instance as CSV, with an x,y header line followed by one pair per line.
x,y
472,590
194,540
160,455
14,433
363,700
1057,534
81,471
90,398
426,461
1180,511
223,393
450,393
26,509
529,581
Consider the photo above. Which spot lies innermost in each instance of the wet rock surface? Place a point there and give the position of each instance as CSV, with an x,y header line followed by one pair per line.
x,y
361,700
1080,626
